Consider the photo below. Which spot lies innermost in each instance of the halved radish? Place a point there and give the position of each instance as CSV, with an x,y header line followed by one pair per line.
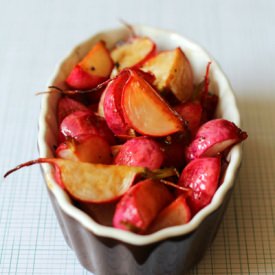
x,y
214,137
87,182
173,72
140,205
145,111
133,53
91,148
202,177
93,69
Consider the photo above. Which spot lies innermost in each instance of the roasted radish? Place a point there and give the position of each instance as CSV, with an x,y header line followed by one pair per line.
x,y
93,69
145,111
214,137
202,177
140,151
140,205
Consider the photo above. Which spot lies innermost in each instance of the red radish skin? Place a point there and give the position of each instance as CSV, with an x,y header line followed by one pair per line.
x,y
140,205
140,151
92,148
81,80
92,70
176,213
112,105
202,177
67,106
146,111
214,137
192,113
79,124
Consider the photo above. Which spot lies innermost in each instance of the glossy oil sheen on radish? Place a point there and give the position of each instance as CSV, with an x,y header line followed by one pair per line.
x,y
202,177
140,151
145,111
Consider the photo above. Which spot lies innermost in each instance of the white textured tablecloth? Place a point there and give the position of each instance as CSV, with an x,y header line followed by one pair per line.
x,y
35,35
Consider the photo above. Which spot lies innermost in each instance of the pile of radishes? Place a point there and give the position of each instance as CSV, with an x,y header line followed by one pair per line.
x,y
134,129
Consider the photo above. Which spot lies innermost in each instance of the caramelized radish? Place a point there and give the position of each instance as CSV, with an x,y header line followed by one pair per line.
x,y
140,151
100,109
214,137
145,111
93,69
140,205
96,183
173,72
133,53
92,148
202,177
176,213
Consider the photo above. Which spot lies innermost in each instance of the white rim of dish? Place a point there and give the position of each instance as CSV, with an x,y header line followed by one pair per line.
x,y
104,231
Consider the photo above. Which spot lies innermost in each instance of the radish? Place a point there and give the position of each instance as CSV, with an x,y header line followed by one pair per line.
x,y
81,123
87,182
95,183
191,112
176,213
145,111
66,106
132,53
112,105
173,73
202,177
140,205
92,148
214,137
93,69
141,151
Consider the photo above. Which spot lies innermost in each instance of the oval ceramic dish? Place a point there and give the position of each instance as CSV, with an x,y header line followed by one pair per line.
x,y
106,250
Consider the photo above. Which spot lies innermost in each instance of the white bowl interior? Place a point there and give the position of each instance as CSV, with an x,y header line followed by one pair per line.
x,y
227,109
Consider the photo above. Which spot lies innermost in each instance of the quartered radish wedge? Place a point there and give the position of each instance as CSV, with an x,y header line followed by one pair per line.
x,y
146,111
